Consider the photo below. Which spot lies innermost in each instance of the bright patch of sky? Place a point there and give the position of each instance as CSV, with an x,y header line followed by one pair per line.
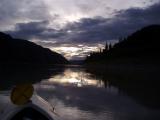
x,y
55,15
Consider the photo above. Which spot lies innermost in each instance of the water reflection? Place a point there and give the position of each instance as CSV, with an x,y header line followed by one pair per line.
x,y
75,77
141,83
14,75
80,95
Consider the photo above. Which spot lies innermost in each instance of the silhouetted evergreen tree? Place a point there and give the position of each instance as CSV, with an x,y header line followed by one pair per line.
x,y
142,45
106,47
110,46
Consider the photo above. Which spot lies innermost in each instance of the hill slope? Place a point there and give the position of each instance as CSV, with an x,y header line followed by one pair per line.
x,y
132,66
142,45
22,51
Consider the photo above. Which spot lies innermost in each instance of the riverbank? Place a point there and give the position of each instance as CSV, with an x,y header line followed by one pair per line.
x,y
140,81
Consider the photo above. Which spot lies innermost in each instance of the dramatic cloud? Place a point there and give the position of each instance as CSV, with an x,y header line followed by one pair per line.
x,y
15,11
36,30
122,24
91,30
76,28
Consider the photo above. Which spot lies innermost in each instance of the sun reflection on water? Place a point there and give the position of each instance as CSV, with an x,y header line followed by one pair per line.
x,y
76,78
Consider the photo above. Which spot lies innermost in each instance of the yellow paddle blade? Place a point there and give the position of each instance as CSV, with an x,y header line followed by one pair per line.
x,y
21,94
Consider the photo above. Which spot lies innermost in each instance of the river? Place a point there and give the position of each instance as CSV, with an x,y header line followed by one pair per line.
x,y
80,95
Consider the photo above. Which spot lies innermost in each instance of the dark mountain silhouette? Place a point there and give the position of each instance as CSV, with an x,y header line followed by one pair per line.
x,y
132,65
19,51
141,46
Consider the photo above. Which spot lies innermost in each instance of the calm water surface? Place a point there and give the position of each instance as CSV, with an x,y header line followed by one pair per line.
x,y
78,95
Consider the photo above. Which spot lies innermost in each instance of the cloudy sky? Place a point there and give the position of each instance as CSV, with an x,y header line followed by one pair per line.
x,y
76,27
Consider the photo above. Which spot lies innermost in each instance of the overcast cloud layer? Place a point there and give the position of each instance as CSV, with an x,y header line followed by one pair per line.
x,y
74,28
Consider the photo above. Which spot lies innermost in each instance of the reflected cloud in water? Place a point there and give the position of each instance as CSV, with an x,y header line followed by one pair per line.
x,y
79,95
77,78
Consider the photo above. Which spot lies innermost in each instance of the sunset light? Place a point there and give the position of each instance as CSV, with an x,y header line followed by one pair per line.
x,y
78,51
79,59
76,78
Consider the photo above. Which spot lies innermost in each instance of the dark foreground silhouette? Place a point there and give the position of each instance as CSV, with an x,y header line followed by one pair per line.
x,y
141,47
140,84
19,51
132,65
14,75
